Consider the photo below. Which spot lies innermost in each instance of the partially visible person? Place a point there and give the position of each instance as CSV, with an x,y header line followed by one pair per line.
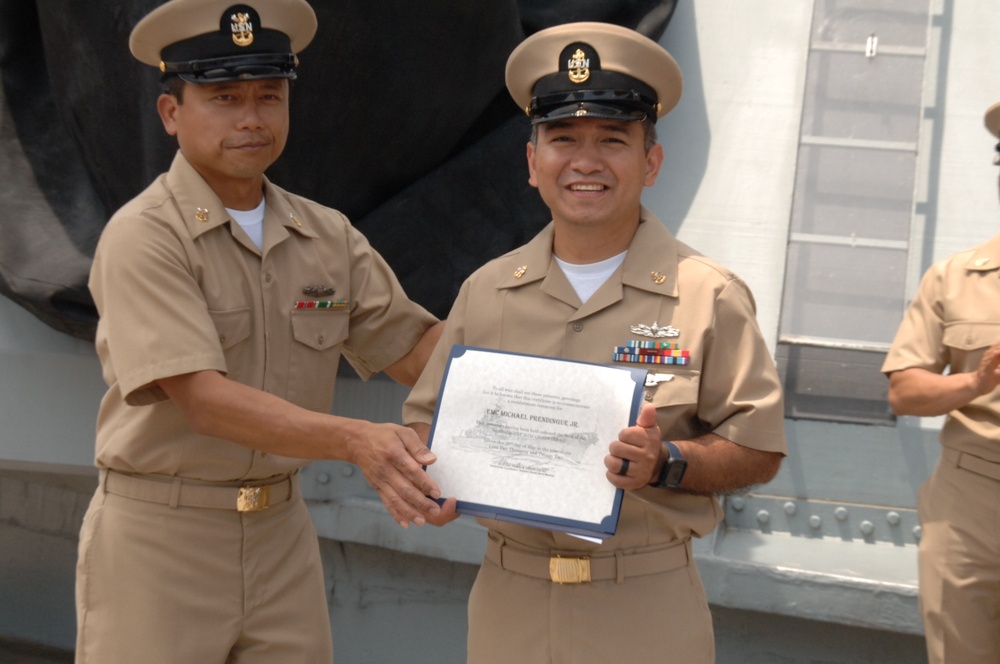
x,y
225,305
945,360
606,274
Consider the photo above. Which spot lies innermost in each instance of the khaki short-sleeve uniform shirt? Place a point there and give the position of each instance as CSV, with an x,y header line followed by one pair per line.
x,y
951,322
522,302
180,287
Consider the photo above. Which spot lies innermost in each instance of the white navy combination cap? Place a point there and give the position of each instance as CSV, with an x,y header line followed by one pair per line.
x,y
992,121
596,70
209,41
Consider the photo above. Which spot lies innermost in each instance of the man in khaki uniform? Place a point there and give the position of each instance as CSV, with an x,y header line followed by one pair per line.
x,y
606,273
226,304
953,323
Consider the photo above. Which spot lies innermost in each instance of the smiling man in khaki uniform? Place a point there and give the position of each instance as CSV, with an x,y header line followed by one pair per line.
x,y
225,305
953,324
604,274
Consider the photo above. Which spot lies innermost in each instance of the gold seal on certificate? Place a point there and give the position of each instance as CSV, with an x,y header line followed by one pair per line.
x,y
523,438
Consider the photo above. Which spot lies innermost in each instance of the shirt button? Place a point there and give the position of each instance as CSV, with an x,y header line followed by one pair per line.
x,y
222,339
267,277
578,327
321,339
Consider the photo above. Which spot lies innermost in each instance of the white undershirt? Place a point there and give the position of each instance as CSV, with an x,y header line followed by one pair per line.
x,y
252,221
588,278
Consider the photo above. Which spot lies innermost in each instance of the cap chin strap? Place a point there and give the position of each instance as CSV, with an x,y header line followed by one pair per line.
x,y
584,111
277,65
628,103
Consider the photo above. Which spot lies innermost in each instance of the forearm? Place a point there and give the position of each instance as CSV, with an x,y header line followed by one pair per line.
x,y
920,392
390,455
222,408
716,465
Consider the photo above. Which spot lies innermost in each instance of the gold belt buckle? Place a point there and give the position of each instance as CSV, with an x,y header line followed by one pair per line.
x,y
253,498
569,570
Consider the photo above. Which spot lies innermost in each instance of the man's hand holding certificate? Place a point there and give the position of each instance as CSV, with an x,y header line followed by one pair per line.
x,y
523,438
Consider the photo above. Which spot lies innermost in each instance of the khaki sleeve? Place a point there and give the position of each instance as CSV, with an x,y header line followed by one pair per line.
x,y
385,323
740,393
154,322
919,341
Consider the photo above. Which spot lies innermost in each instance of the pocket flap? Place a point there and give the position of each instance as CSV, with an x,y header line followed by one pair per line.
x,y
680,390
320,329
233,326
970,335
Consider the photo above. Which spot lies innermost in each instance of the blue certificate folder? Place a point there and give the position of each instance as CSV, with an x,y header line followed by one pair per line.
x,y
522,438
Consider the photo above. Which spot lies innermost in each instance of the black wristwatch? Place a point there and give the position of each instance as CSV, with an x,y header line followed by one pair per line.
x,y
673,469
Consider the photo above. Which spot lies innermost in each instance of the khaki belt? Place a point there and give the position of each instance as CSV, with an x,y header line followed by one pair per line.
x,y
560,568
971,463
252,497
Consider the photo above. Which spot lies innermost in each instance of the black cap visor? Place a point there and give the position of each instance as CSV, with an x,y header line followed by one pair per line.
x,y
623,105
234,68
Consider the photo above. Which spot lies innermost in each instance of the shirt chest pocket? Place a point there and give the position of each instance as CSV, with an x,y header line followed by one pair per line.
x,y
966,341
314,355
233,329
232,326
320,330
676,400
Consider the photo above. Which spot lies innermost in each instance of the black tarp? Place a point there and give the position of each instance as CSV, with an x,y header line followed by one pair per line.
x,y
400,119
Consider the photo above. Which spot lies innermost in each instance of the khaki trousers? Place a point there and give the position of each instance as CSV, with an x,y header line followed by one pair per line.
x,y
661,617
160,584
959,564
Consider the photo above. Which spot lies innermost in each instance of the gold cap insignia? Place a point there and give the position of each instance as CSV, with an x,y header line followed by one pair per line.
x,y
578,66
242,29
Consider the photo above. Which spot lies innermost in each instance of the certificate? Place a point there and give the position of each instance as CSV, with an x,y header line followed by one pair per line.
x,y
522,438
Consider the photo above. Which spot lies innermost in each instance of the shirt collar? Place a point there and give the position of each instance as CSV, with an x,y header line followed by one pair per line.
x,y
203,211
650,264
986,256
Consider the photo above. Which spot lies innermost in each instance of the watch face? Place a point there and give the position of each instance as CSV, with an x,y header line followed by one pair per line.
x,y
673,468
675,472
672,473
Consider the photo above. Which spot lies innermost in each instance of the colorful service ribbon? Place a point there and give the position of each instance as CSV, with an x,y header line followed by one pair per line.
x,y
651,352
321,304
